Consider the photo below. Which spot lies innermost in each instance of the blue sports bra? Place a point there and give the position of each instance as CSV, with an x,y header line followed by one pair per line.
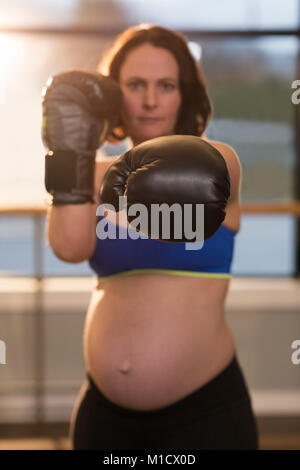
x,y
124,255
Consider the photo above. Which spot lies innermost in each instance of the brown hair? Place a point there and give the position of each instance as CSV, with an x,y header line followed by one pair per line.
x,y
196,110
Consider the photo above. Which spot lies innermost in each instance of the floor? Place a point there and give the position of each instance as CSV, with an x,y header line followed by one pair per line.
x,y
275,433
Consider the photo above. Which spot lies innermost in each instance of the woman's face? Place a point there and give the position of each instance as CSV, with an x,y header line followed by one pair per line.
x,y
149,79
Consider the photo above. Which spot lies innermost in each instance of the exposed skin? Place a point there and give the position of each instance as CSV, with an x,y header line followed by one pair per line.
x,y
149,79
152,339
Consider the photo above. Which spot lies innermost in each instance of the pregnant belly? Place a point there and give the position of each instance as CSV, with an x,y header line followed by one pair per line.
x,y
147,360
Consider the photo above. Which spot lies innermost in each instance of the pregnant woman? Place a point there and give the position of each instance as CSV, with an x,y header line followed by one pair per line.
x,y
162,370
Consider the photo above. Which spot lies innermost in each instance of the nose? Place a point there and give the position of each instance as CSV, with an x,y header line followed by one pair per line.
x,y
150,98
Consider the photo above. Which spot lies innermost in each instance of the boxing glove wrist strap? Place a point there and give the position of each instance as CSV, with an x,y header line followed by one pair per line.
x,y
69,176
68,198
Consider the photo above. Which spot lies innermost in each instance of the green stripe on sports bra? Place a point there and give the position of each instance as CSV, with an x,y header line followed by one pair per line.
x,y
168,271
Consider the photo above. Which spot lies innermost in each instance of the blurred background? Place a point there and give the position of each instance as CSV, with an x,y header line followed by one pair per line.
x,y
249,51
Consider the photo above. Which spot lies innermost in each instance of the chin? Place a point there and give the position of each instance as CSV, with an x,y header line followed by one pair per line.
x,y
152,134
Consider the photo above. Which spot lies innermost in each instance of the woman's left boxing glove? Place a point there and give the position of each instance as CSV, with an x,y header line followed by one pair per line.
x,y
180,169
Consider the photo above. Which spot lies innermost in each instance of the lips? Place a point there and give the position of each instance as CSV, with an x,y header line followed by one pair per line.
x,y
149,119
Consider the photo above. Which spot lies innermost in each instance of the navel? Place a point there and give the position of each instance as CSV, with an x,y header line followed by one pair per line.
x,y
125,367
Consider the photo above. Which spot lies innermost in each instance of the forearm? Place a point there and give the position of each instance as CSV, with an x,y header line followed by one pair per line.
x,y
71,231
80,109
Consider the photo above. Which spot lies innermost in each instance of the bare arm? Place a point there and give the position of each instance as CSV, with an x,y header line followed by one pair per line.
x,y
234,169
71,228
235,172
71,231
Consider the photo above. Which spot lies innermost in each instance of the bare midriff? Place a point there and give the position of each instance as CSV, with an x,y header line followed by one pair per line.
x,y
151,339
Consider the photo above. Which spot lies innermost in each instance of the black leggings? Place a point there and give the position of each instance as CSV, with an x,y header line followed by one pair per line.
x,y
218,415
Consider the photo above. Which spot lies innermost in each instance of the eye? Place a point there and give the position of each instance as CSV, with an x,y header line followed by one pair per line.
x,y
133,85
168,86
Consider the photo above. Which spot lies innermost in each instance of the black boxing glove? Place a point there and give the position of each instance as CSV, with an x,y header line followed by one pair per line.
x,y
80,109
180,169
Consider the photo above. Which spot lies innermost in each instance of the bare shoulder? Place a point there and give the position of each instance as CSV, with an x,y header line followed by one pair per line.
x,y
228,152
234,167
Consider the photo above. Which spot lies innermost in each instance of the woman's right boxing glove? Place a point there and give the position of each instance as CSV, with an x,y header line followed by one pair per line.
x,y
80,109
